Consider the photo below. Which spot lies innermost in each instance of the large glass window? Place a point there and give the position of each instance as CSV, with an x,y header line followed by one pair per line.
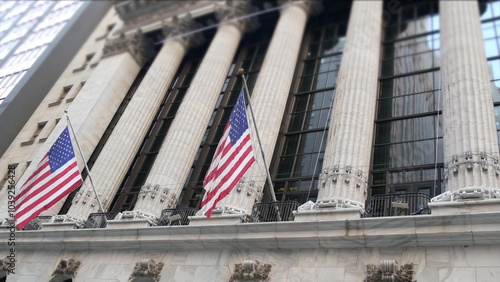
x,y
490,23
408,153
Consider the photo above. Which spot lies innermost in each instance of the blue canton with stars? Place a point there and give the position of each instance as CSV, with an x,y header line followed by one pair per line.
x,y
238,120
61,152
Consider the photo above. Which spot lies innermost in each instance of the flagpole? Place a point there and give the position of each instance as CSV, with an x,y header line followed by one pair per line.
x,y
84,162
269,182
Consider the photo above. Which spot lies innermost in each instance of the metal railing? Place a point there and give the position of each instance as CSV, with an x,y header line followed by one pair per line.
x,y
36,223
99,219
274,211
177,216
397,204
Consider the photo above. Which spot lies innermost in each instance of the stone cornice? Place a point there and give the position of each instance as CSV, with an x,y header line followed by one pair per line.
x,y
400,231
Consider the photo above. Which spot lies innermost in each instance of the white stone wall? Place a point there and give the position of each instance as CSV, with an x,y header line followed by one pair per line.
x,y
458,263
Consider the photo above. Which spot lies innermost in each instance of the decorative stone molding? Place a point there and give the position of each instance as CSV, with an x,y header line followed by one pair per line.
x,y
67,267
136,44
388,271
131,215
147,268
181,29
250,270
467,194
312,7
331,203
64,218
84,197
233,10
156,193
471,161
5,265
344,173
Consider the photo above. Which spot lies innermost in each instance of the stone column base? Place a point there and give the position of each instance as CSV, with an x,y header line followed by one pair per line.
x,y
328,214
128,223
479,206
59,226
224,219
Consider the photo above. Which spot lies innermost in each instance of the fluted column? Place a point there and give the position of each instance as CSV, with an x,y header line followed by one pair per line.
x,y
127,136
100,97
177,153
469,131
343,182
269,98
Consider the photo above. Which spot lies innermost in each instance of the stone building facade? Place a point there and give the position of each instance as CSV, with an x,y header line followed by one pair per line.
x,y
377,121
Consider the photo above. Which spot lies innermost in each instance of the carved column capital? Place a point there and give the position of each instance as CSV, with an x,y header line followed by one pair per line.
x,y
140,47
147,268
181,29
311,7
233,10
67,267
6,265
250,270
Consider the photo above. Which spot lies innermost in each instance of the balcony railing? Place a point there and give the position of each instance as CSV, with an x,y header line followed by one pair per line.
x,y
274,211
178,216
397,204
99,219
36,223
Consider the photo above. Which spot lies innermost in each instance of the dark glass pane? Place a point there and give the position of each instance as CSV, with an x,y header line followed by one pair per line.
x,y
424,152
291,143
309,67
305,83
296,122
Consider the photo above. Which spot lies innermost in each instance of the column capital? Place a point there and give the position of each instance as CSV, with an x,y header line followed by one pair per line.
x,y
232,10
311,7
140,47
180,29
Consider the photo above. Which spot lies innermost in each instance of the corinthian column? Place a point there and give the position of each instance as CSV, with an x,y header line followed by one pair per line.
x,y
100,97
269,98
343,182
470,136
183,139
118,152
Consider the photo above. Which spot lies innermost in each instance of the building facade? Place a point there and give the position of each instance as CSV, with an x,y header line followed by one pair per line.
x,y
38,41
376,120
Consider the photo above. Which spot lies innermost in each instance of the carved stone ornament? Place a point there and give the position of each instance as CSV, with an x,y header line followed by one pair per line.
x,y
388,271
140,47
183,30
250,270
67,267
147,268
5,265
234,11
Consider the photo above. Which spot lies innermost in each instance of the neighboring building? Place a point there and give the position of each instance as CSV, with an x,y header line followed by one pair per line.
x,y
38,39
378,121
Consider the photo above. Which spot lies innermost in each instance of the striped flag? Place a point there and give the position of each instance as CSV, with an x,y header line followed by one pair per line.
x,y
232,159
54,178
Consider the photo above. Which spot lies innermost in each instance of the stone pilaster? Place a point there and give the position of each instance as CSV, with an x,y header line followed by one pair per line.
x,y
93,108
469,132
179,148
343,182
269,98
119,151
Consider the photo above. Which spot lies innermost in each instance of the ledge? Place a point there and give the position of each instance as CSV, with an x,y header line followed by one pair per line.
x,y
401,231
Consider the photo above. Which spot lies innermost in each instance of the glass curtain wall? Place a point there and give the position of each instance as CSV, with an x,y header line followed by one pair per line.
x,y
301,143
408,148
490,23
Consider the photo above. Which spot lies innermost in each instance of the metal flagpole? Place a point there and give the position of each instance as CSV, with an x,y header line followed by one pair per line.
x,y
84,162
269,183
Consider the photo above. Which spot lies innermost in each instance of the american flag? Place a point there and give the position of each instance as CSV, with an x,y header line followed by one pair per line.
x,y
232,159
54,178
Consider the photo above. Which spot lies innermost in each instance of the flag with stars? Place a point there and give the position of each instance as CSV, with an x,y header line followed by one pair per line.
x,y
55,176
232,159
